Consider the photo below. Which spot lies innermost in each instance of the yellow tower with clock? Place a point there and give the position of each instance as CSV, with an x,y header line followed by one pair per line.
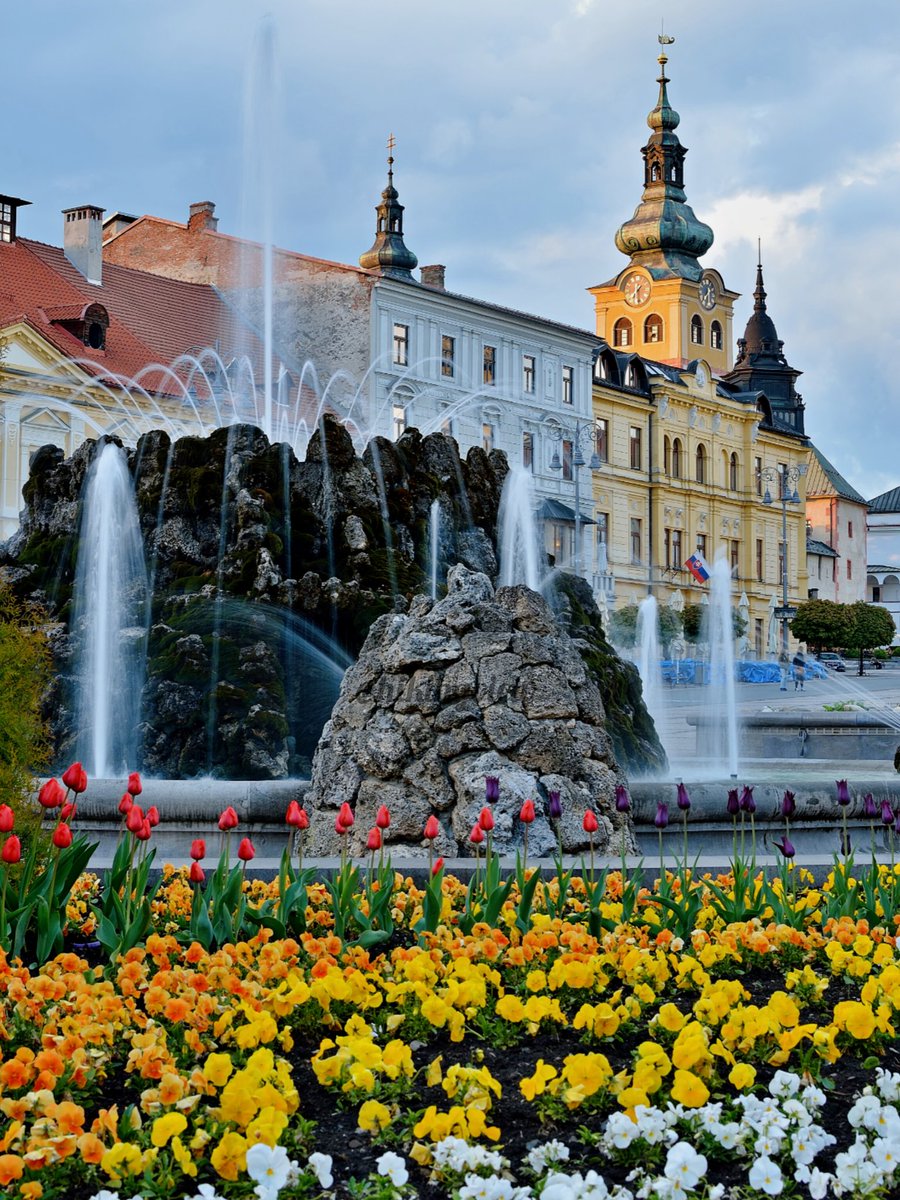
x,y
663,304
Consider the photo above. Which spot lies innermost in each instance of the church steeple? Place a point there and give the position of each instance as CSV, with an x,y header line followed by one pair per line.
x,y
761,365
664,235
389,253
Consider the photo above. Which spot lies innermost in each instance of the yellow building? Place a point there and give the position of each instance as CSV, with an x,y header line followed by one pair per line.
x,y
692,443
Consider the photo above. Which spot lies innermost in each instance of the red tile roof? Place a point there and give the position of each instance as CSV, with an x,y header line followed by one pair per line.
x,y
153,320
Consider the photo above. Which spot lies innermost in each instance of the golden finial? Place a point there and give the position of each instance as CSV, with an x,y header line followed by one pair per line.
x,y
664,40
391,143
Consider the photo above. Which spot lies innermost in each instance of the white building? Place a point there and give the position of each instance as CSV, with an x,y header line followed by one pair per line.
x,y
883,578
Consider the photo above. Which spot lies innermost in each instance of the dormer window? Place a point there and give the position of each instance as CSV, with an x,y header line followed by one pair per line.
x,y
7,222
89,324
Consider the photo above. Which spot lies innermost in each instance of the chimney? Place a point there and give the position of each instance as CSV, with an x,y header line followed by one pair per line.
x,y
434,276
201,217
83,241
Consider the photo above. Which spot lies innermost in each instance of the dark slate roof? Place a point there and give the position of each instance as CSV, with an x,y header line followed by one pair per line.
x,y
842,488
555,510
887,502
816,547
882,569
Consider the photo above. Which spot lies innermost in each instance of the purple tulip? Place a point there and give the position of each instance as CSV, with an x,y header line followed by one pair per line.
x,y
734,804
788,804
870,807
887,813
748,804
623,803
661,819
555,806
491,789
684,800
843,792
786,846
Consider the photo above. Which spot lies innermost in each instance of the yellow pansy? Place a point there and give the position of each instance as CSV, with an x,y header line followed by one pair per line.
x,y
166,1127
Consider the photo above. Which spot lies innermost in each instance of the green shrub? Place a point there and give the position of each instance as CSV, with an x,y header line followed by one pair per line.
x,y
24,676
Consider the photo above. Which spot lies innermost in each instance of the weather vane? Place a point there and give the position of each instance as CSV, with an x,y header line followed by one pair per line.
x,y
392,142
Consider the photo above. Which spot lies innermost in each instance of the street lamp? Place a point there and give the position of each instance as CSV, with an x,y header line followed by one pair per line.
x,y
582,433
785,476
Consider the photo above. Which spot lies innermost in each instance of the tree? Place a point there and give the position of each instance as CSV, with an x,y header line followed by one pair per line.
x,y
870,625
693,618
24,675
823,623
623,625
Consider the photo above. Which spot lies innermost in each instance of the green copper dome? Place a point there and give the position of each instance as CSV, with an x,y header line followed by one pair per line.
x,y
389,253
664,235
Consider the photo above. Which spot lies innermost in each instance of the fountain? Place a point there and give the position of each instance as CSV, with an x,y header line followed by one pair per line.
x,y
719,747
434,546
648,657
520,546
109,601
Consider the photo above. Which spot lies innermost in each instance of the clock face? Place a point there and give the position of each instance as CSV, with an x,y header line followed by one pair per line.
x,y
636,288
708,294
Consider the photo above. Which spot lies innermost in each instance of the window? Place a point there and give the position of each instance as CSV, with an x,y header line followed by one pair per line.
x,y
622,335
758,637
601,368
700,473
401,345
672,548
734,557
667,455
602,528
876,594
676,459
715,336
849,529
528,373
634,440
563,540
448,356
601,438
567,383
398,413
784,484
654,173
487,436
781,561
7,213
733,473
667,549
653,328
567,448
759,560
849,569
701,545
635,540
489,360
757,471
528,451
696,330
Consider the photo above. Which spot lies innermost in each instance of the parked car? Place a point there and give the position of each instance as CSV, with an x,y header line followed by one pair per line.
x,y
833,662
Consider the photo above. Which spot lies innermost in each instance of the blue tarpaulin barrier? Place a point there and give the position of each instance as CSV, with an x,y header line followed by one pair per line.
x,y
691,670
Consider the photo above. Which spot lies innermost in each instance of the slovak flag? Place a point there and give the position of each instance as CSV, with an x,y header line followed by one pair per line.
x,y
697,568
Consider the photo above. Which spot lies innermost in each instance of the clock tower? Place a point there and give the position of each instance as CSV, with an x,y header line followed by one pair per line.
x,y
663,304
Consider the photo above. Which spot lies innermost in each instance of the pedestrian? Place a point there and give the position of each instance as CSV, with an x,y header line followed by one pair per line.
x,y
799,670
784,664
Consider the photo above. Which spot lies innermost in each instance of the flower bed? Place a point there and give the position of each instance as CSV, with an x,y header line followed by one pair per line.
x,y
750,1058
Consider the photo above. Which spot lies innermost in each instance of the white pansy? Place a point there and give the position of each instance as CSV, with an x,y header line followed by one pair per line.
x,y
885,1154
813,1097
205,1191
621,1131
865,1112
103,1194
727,1135
394,1167
784,1084
548,1152
769,1142
685,1165
818,1184
320,1165
476,1188
887,1084
268,1167
765,1176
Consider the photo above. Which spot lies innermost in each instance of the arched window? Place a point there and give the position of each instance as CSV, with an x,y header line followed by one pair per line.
x,y
676,459
654,173
666,454
601,370
733,473
701,464
696,330
715,335
622,332
653,328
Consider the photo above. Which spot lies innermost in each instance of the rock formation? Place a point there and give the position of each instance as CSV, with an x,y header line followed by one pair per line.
x,y
475,684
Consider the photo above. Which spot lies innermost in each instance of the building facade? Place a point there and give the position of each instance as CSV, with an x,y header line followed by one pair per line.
x,y
836,534
883,571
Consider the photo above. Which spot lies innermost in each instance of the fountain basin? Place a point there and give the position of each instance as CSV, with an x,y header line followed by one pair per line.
x,y
838,736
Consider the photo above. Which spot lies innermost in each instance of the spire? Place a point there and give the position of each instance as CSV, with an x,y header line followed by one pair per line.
x,y
664,235
389,254
760,337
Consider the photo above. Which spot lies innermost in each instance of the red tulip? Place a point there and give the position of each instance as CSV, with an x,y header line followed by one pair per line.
x,y
62,836
590,823
125,804
196,874
526,813
135,787
245,850
135,819
7,818
339,827
438,866
303,822
292,816
198,849
67,811
383,817
51,794
12,850
75,778
373,841
345,816
153,816
486,819
476,837
143,834
432,828
228,819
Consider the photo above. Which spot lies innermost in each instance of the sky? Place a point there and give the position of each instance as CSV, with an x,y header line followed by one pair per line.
x,y
518,126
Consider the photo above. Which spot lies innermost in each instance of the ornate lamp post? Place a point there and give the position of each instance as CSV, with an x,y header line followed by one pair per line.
x,y
582,434
787,479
